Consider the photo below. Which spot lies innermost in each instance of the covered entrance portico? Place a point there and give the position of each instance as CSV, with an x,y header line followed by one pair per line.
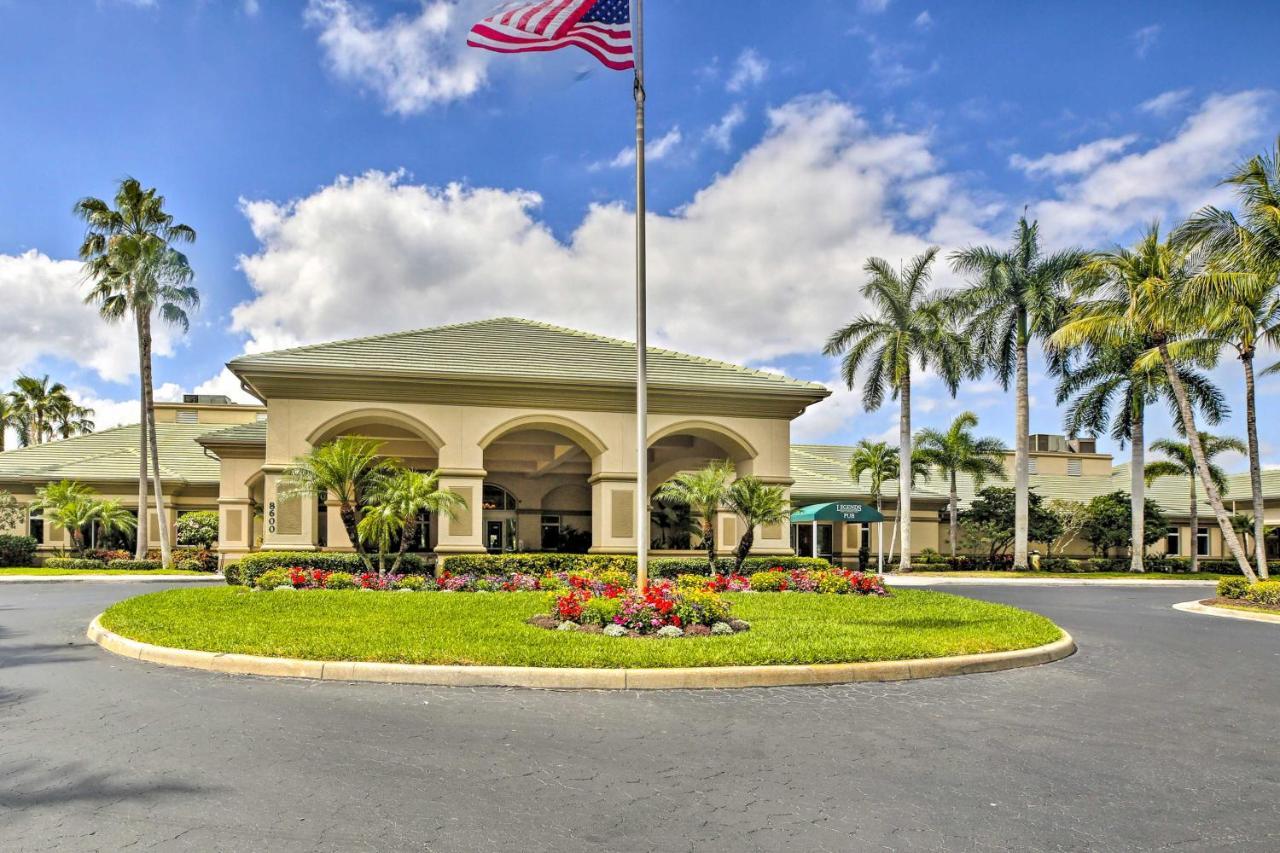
x,y
815,528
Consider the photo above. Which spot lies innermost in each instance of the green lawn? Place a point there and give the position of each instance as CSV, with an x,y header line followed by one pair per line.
x,y
42,572
1137,576
476,628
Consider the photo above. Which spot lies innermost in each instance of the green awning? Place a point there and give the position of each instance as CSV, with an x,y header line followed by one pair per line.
x,y
841,511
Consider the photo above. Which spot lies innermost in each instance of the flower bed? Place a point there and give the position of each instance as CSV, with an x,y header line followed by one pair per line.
x,y
662,610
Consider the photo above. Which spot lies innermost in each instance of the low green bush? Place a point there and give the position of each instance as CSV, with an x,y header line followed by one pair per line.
x,y
701,607
272,578
248,567
73,563
1232,587
535,564
198,528
340,580
17,550
600,610
136,565
1264,592
413,582
830,583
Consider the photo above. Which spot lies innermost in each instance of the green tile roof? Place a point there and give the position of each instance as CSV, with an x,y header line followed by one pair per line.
x,y
1173,493
251,433
112,454
509,347
822,471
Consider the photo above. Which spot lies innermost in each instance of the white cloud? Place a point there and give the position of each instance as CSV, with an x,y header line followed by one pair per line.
x,y
654,150
873,7
251,7
1144,39
1166,181
53,320
750,69
923,21
1078,160
409,61
720,134
788,227
1165,102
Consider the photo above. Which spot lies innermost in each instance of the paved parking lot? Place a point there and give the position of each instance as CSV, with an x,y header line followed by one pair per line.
x,y
1159,734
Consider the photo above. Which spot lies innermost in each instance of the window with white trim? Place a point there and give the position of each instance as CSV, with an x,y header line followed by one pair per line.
x,y
1202,542
1173,542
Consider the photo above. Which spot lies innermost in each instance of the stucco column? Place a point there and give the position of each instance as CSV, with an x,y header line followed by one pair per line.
x,y
464,533
335,531
729,529
774,540
235,526
613,513
288,524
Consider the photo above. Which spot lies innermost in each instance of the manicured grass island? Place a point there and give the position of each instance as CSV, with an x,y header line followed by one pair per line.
x,y
490,628
40,571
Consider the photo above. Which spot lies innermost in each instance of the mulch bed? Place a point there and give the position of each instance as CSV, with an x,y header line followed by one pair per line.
x,y
1240,603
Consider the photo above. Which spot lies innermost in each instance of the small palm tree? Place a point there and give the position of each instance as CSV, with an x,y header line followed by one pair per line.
x,y
705,492
347,468
114,518
909,326
1141,294
393,505
1182,463
1115,376
756,504
1015,296
70,505
956,451
880,463
135,272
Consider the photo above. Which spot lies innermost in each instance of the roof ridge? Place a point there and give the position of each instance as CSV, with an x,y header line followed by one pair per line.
x,y
378,337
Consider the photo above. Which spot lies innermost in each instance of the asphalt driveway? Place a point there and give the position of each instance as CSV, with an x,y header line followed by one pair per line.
x,y
1159,734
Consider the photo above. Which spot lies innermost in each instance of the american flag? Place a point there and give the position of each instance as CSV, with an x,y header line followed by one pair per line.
x,y
600,27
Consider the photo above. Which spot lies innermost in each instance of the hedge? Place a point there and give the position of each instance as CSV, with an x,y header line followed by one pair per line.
x,y
659,567
135,565
73,563
248,567
17,550
1162,565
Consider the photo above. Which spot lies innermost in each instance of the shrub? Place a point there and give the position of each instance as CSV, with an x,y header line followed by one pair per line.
x,y
73,563
17,550
600,611
1233,587
552,583
248,567
769,581
273,578
700,607
198,528
135,565
195,560
535,564
613,577
1264,592
340,580
721,629
615,631
686,581
670,631
417,583
831,583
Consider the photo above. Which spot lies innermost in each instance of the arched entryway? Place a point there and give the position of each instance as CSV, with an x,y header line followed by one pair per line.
x,y
537,485
688,446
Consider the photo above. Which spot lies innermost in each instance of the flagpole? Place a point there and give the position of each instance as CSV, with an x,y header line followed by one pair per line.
x,y
642,389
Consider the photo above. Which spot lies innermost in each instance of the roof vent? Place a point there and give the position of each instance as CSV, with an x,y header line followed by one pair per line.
x,y
207,399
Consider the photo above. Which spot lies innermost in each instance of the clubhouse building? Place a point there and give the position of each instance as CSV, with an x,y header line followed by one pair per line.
x,y
533,425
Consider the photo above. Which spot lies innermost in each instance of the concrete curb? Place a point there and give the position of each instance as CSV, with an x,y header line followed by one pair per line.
x,y
112,579
935,580
582,679
1210,610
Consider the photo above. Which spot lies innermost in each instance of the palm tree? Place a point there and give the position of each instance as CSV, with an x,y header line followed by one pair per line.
x,y
348,468
394,504
1112,377
70,505
909,326
705,492
38,403
113,517
1182,463
756,504
10,417
71,419
955,451
1245,296
1015,296
135,272
1141,294
879,462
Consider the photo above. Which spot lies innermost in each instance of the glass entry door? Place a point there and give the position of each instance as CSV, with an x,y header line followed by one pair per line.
x,y
804,540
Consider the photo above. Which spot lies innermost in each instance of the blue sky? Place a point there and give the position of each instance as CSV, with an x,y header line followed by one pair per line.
x,y
351,168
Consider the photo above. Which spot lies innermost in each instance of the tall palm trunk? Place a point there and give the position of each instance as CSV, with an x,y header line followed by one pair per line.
x,y
1202,466
953,503
904,472
162,518
1138,489
347,512
709,540
1022,453
880,535
744,548
143,529
1195,528
1255,466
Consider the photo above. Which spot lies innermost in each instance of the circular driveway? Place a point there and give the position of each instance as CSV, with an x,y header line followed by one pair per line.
x,y
1160,733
